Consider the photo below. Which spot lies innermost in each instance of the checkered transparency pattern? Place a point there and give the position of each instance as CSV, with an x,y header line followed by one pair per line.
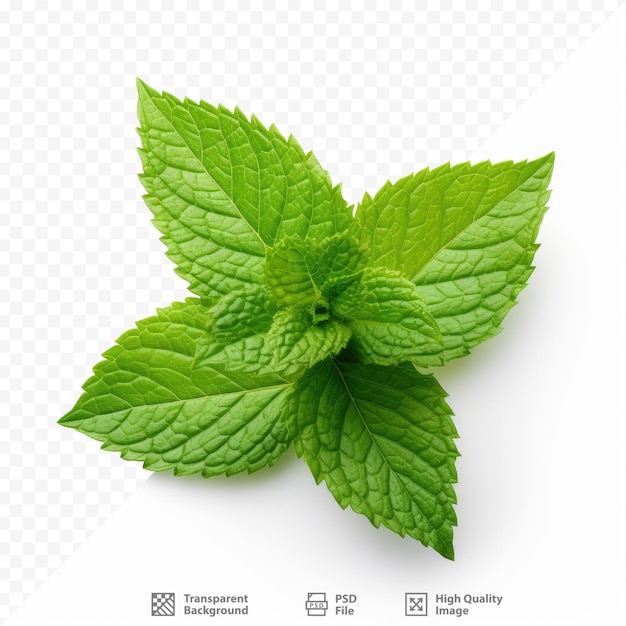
x,y
163,604
376,90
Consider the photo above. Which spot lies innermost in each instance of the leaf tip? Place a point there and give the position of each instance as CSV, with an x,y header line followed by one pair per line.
x,y
544,164
145,94
73,418
443,541
143,89
64,421
447,551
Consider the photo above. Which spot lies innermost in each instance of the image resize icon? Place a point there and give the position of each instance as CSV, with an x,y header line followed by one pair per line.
x,y
416,604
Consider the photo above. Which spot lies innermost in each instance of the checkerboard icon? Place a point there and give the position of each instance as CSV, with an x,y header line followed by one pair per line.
x,y
163,604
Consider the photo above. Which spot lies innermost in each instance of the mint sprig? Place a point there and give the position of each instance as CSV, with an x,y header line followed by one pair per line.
x,y
311,325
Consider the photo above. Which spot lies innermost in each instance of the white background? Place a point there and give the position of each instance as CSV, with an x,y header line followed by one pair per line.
x,y
376,94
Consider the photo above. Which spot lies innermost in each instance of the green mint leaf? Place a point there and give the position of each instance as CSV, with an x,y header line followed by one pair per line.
x,y
247,355
311,322
465,235
389,320
307,272
383,441
237,328
297,343
242,313
223,187
149,401
287,273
